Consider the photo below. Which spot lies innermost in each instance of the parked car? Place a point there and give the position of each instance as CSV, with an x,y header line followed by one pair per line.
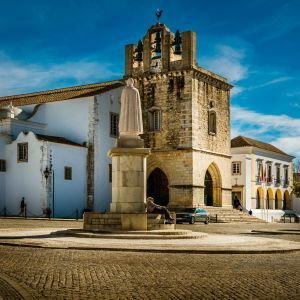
x,y
192,215
290,214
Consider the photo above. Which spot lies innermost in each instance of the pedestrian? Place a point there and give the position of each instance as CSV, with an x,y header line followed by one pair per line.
x,y
237,204
22,207
155,208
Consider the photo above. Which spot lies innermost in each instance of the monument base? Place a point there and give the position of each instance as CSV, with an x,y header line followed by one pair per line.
x,y
128,180
124,222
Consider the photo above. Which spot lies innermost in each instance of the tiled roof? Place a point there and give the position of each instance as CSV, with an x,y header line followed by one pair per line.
x,y
242,141
61,94
56,139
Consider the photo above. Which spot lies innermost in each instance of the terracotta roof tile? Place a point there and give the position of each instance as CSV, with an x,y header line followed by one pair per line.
x,y
61,94
242,141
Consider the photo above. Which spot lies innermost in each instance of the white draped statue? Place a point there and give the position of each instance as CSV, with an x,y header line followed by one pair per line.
x,y
130,123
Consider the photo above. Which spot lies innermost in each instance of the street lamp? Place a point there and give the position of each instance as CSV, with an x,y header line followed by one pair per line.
x,y
47,173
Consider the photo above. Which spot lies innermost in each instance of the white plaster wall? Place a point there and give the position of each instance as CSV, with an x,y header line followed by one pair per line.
x,y
3,141
69,118
25,179
69,195
106,103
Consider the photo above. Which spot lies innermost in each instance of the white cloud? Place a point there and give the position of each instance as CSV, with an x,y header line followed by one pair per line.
x,y
289,144
270,82
16,77
281,130
228,62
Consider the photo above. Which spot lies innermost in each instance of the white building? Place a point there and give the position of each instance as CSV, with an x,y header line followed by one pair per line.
x,y
54,153
261,177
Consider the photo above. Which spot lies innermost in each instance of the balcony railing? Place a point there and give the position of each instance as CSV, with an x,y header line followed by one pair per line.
x,y
277,181
286,183
258,180
269,180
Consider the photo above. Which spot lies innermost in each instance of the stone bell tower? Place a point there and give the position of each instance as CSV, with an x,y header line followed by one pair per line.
x,y
186,119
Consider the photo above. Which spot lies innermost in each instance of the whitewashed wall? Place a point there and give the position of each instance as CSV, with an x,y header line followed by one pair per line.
x,y
69,195
25,179
106,103
69,118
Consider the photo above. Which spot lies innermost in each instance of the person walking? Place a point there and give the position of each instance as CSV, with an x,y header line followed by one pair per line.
x,y
22,207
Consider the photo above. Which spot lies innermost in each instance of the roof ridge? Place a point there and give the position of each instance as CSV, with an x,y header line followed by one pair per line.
x,y
69,88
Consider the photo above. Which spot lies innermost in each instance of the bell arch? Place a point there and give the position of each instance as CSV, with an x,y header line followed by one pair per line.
x,y
158,187
212,186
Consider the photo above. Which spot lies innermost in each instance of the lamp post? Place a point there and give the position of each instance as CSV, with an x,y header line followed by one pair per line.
x,y
47,172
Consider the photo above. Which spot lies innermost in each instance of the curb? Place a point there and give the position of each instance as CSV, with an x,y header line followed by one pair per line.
x,y
187,251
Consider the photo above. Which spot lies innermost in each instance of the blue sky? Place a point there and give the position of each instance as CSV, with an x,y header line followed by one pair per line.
x,y
255,44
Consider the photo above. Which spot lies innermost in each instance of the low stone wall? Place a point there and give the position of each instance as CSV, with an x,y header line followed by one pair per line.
x,y
124,222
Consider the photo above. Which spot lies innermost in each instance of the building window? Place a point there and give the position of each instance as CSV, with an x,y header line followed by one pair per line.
x,y
2,165
114,125
286,176
23,152
269,175
110,173
236,168
68,173
154,120
278,174
260,174
212,122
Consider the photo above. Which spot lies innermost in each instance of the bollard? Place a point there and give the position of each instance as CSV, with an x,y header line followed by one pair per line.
x,y
76,214
25,215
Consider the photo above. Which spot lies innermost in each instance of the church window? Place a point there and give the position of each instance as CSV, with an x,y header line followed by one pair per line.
x,y
114,125
110,173
212,122
23,152
68,173
2,165
236,168
154,120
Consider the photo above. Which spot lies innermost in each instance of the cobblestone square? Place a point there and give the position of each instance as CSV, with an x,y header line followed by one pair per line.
x,y
34,273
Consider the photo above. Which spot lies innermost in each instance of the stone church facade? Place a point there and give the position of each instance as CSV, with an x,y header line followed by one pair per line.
x,y
186,114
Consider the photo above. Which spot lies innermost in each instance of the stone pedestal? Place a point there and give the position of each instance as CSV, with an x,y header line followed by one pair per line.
x,y
128,180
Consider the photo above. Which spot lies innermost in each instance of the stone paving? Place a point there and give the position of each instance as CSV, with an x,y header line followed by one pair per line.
x,y
33,273
71,274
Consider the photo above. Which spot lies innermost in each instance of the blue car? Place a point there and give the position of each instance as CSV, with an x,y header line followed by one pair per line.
x,y
192,215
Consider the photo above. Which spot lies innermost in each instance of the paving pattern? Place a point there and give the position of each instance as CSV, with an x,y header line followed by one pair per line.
x,y
76,274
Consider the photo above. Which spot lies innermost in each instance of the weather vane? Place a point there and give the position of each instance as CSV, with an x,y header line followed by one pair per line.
x,y
158,14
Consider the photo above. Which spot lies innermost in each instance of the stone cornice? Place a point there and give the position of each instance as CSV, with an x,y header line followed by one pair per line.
x,y
195,71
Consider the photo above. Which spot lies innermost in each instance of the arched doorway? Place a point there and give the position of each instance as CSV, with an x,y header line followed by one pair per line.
x,y
286,202
270,198
208,190
212,186
259,198
278,199
157,187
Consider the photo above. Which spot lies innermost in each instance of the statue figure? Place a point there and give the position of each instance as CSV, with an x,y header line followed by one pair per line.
x,y
130,123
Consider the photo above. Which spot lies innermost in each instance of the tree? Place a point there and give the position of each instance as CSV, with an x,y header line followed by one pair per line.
x,y
296,166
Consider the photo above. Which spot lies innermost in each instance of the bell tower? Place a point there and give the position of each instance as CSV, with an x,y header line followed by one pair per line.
x,y
160,51
186,119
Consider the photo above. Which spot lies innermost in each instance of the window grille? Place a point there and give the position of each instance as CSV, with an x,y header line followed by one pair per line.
x,y
114,125
236,168
212,122
2,165
68,173
23,152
